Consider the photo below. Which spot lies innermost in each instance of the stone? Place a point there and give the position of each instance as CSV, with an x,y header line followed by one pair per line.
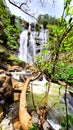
x,y
35,118
46,126
14,68
16,85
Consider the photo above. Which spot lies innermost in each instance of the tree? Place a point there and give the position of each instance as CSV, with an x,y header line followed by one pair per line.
x,y
46,19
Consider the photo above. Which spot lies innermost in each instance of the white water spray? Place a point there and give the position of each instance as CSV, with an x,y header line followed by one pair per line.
x,y
29,47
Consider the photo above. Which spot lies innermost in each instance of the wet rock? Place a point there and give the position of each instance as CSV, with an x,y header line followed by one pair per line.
x,y
35,118
13,114
46,126
13,111
70,99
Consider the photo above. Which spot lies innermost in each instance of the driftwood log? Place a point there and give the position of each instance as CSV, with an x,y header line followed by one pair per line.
x,y
24,117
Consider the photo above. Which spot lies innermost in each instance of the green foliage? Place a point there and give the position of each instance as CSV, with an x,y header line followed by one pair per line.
x,y
3,12
10,30
45,52
12,60
60,46
70,120
0,128
46,19
63,73
12,34
34,127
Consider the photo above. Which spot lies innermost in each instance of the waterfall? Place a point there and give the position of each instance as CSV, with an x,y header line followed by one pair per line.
x,y
29,46
23,46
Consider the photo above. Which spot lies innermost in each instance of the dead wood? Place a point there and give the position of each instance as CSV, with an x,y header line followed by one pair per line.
x,y
62,83
24,117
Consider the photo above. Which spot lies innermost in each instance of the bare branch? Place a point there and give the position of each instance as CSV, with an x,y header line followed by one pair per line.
x,y
42,2
19,7
26,3
45,2
23,4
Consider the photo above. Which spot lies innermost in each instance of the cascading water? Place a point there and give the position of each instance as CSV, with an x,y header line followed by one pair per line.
x,y
29,46
32,47
23,46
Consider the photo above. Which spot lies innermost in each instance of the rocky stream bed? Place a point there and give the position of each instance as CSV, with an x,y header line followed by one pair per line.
x,y
10,90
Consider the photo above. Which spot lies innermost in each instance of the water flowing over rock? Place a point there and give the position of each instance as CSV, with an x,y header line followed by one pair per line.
x,y
32,44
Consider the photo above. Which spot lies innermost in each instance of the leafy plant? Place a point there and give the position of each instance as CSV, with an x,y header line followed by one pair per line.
x,y
63,124
59,48
9,31
34,127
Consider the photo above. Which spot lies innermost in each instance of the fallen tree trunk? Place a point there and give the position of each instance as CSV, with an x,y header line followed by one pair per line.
x,y
24,117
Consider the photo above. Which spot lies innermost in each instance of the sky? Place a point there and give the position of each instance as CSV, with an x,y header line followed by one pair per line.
x,y
55,9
